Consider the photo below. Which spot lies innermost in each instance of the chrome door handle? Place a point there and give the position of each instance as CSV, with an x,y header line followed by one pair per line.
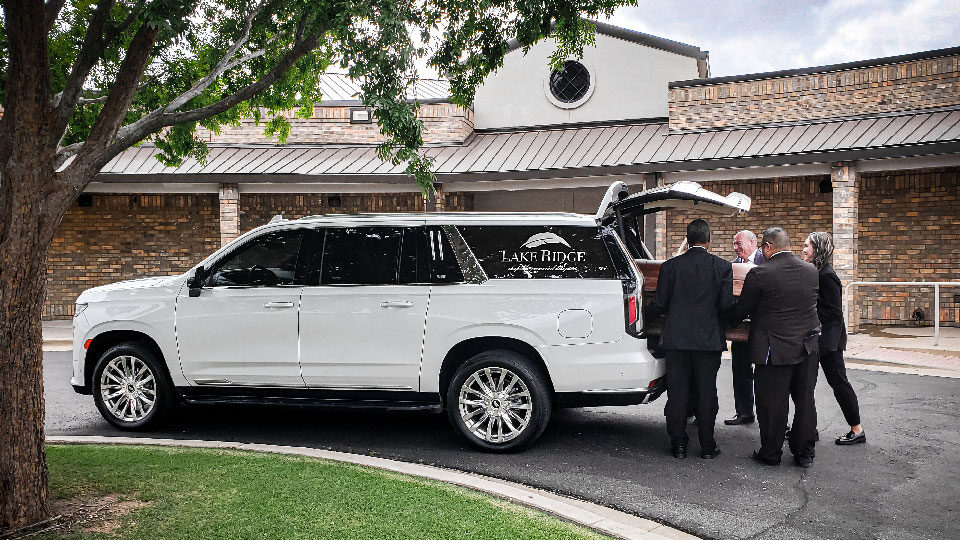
x,y
278,305
400,304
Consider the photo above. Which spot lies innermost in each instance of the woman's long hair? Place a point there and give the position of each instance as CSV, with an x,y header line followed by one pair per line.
x,y
822,248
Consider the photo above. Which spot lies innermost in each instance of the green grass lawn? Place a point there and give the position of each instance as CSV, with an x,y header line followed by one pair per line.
x,y
208,494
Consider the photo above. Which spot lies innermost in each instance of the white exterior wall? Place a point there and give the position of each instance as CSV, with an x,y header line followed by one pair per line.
x,y
630,81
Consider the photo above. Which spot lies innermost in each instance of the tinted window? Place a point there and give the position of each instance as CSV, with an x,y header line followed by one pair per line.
x,y
361,256
443,262
428,257
267,260
540,251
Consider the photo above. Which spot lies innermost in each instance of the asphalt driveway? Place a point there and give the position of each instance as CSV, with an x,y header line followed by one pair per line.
x,y
904,483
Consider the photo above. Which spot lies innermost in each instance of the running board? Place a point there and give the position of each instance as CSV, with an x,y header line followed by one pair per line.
x,y
338,403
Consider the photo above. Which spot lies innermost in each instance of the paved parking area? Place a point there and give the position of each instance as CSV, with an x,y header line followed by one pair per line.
x,y
904,483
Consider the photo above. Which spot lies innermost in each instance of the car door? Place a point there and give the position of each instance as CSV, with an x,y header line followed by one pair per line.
x,y
360,327
242,328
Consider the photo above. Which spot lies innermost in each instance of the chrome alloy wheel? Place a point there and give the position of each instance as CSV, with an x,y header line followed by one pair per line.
x,y
128,388
495,404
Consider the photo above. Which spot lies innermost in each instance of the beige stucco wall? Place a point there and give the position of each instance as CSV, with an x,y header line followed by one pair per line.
x,y
630,82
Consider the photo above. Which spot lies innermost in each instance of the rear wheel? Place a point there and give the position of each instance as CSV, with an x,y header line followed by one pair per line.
x,y
499,401
131,388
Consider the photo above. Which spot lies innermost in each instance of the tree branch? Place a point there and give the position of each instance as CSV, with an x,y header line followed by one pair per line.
x,y
131,134
89,55
50,13
221,66
250,56
121,95
122,27
85,101
66,153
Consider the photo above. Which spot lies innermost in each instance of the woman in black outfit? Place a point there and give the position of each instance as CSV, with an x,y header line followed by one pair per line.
x,y
817,249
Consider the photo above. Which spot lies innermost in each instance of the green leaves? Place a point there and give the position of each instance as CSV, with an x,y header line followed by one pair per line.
x,y
211,52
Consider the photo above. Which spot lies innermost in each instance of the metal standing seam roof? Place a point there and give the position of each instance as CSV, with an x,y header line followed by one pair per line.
x,y
339,87
566,151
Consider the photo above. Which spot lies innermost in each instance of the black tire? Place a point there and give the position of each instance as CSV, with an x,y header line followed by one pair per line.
x,y
137,355
473,421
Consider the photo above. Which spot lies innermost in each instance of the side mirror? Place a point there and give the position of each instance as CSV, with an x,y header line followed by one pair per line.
x,y
195,283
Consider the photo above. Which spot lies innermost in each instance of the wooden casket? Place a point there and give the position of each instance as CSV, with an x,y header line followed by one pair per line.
x,y
651,270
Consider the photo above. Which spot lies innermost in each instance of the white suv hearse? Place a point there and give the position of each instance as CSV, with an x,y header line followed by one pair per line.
x,y
496,317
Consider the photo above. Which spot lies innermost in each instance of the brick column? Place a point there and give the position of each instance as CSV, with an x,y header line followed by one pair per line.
x,y
229,212
441,204
845,179
661,243
650,220
435,202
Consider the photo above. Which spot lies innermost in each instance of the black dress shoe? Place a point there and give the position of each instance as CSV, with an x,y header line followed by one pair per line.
x,y
711,455
771,462
739,419
679,452
852,438
803,461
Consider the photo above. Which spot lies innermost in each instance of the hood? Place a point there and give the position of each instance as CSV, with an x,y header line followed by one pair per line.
x,y
142,283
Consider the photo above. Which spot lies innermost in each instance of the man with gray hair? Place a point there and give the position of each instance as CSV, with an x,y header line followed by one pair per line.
x,y
780,297
745,245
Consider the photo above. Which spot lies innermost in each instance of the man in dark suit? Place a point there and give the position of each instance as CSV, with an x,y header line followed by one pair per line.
x,y
694,290
780,296
745,246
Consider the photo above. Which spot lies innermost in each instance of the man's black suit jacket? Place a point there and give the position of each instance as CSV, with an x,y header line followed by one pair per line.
x,y
694,289
830,311
780,297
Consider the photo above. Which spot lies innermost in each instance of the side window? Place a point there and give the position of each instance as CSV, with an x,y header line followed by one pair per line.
x,y
428,257
443,262
361,256
546,251
268,260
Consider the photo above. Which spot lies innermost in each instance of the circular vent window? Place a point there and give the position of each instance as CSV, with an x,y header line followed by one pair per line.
x,y
571,86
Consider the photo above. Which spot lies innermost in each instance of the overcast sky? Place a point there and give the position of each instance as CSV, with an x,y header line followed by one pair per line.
x,y
751,36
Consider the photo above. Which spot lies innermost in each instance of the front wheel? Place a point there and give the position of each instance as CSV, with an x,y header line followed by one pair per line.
x,y
131,388
499,401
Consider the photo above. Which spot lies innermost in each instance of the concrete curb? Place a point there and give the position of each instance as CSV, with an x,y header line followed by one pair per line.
x,y
57,345
599,518
867,364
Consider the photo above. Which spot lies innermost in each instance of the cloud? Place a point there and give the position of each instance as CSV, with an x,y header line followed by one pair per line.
x,y
753,36
854,30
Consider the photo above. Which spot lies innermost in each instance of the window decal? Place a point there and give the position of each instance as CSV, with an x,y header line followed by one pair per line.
x,y
524,252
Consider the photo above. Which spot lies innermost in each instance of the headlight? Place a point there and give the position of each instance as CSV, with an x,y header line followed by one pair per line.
x,y
80,308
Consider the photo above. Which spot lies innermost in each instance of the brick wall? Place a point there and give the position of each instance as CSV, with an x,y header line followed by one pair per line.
x,y
903,86
258,209
126,237
443,123
795,204
909,231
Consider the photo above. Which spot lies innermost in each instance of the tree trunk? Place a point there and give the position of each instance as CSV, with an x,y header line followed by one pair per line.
x,y
34,212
